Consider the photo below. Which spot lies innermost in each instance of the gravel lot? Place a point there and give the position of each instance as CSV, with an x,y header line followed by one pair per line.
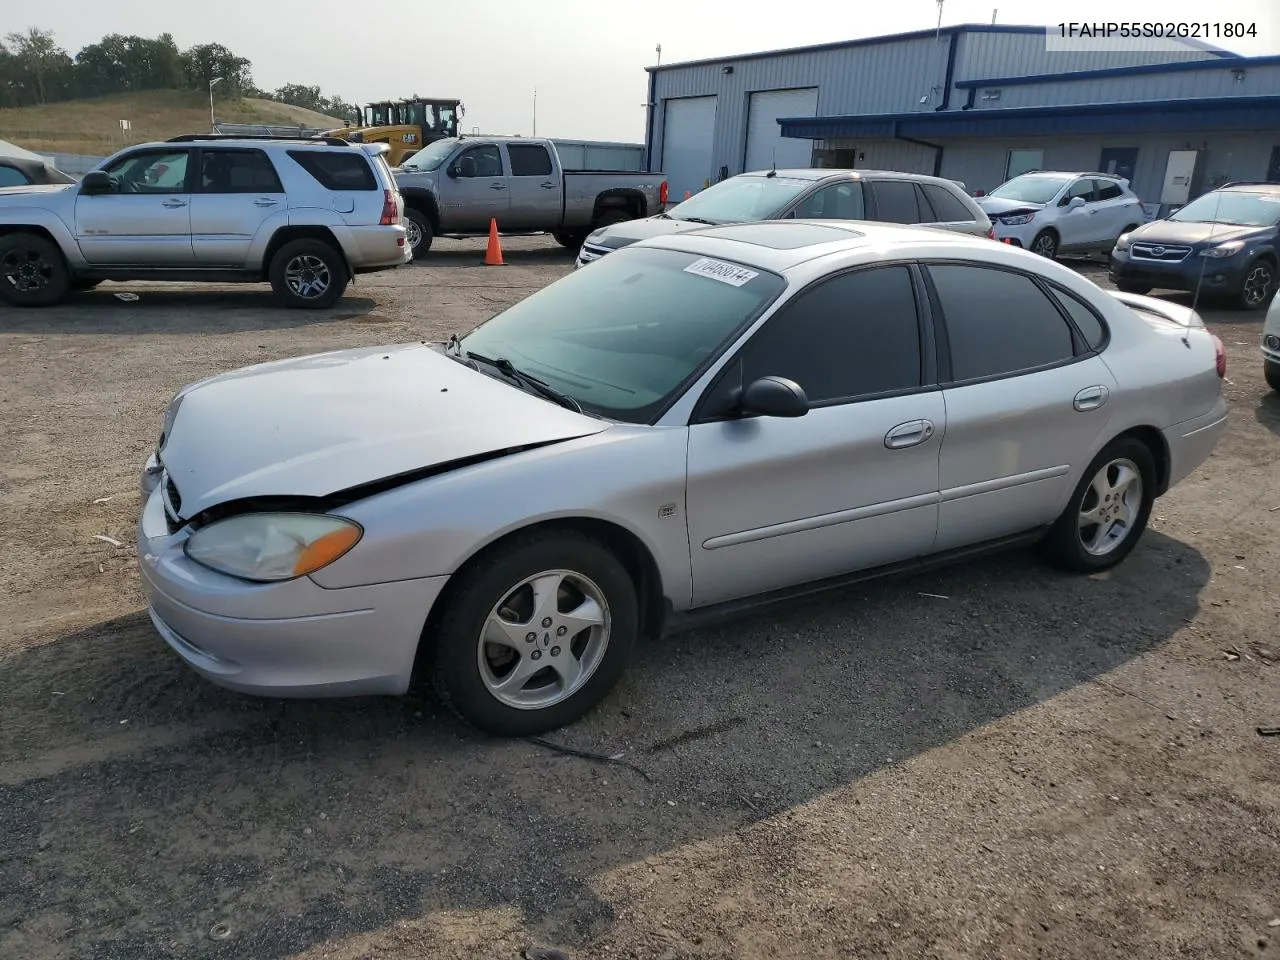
x,y
994,761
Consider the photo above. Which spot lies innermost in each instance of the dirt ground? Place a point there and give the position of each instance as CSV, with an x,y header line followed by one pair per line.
x,y
994,761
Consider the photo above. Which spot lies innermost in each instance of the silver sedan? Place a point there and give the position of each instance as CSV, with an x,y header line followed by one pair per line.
x,y
695,423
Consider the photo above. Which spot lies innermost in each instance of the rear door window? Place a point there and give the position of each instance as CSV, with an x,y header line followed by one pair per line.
x,y
529,160
336,170
897,201
238,171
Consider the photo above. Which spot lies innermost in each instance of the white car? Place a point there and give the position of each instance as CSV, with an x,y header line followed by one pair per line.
x,y
1271,346
1051,213
694,424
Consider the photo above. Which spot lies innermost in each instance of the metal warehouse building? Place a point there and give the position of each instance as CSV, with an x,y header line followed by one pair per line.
x,y
974,103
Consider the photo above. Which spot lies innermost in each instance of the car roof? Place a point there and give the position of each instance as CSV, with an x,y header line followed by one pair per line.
x,y
1071,173
259,143
1268,188
842,173
779,245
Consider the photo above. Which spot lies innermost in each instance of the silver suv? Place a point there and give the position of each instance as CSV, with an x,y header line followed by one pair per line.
x,y
304,215
808,194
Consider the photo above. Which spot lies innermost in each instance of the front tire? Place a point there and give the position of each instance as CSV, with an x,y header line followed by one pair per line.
x,y
33,272
534,634
308,274
1258,286
1271,371
1045,244
1108,512
1140,289
419,230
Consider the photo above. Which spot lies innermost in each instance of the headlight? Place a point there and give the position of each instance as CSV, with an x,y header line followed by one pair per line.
x,y
1018,220
1123,241
269,547
1228,249
170,414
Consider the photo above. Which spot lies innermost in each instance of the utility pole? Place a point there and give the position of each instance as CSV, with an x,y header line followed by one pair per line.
x,y
535,111
213,124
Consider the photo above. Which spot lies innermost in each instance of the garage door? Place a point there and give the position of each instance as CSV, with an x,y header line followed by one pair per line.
x,y
765,142
687,132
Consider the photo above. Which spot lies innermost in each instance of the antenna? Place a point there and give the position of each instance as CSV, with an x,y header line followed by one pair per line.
x,y
535,111
658,51
993,15
1195,300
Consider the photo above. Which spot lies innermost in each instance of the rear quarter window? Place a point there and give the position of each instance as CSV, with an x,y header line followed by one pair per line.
x,y
947,207
336,170
1087,322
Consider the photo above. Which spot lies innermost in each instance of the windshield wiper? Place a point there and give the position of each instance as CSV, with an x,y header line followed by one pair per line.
x,y
709,223
508,369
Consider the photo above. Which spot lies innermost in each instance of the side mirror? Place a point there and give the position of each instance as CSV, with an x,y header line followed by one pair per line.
x,y
1075,203
774,397
466,168
96,182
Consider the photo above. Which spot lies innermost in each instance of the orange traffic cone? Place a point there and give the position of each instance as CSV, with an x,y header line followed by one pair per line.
x,y
493,256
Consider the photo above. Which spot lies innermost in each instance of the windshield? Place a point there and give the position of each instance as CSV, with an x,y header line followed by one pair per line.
x,y
739,199
624,335
1030,189
430,157
1232,207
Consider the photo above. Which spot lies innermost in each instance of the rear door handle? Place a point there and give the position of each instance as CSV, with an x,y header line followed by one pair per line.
x,y
173,203
497,186
1090,398
548,186
264,202
909,434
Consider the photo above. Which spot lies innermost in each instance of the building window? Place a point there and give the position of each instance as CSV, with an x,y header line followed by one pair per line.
x,y
840,158
1023,161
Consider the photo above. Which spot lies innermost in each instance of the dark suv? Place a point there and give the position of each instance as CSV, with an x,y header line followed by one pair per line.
x,y
1223,243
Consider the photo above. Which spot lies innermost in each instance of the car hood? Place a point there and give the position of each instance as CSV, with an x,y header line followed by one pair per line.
x,y
633,231
1175,231
319,425
999,206
23,192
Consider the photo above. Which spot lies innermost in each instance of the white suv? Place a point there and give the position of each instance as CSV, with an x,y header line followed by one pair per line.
x,y
304,215
1051,213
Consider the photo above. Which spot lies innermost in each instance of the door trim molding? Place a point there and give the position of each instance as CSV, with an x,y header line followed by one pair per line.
x,y
823,520
1003,483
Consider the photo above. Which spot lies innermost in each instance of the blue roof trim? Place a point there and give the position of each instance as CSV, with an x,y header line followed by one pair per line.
x,y
1148,116
1231,62
847,44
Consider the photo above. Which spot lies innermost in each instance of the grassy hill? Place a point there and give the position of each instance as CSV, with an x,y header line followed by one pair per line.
x,y
93,126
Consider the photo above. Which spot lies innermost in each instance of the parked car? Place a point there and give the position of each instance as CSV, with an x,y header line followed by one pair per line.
x,y
1223,243
1271,346
1050,213
699,422
454,187
814,194
305,215
20,172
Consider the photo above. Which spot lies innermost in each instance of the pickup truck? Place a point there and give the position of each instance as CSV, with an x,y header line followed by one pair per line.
x,y
454,187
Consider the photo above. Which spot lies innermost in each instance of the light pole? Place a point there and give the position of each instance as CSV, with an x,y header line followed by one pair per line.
x,y
535,112
213,125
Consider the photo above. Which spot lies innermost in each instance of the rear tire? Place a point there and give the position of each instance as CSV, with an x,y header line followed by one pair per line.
x,y
1272,372
33,272
420,232
1045,244
567,668
1118,488
569,240
308,274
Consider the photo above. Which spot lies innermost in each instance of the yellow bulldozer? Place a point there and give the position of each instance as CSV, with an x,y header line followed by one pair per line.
x,y
405,125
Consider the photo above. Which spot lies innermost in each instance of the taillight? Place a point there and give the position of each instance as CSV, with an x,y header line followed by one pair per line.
x,y
991,233
390,214
663,194
1220,355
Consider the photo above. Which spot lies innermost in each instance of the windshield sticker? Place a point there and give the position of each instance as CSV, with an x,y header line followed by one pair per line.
x,y
729,273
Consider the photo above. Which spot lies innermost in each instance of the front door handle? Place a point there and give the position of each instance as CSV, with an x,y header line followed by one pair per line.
x,y
173,203
548,186
497,186
1090,398
264,202
909,434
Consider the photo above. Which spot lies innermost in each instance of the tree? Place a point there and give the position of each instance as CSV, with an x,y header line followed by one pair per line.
x,y
206,62
44,69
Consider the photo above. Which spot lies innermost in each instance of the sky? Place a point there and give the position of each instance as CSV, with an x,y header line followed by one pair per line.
x,y
585,58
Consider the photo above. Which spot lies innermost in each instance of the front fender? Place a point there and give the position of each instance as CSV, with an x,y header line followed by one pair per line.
x,y
632,477
49,222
